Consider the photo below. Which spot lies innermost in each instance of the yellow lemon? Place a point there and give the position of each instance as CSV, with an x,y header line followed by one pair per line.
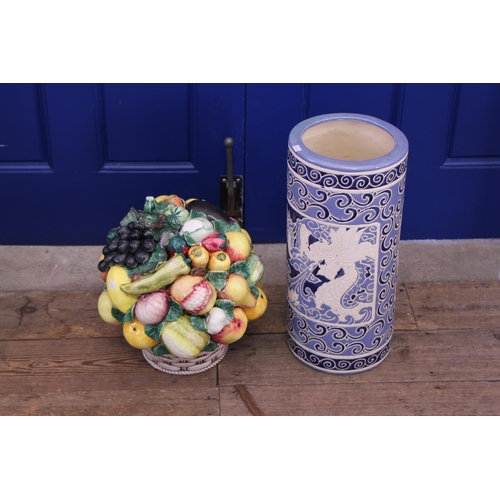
x,y
260,307
199,256
104,306
134,334
118,276
219,261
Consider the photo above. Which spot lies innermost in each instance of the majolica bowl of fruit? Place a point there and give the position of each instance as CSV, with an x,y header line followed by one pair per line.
x,y
183,281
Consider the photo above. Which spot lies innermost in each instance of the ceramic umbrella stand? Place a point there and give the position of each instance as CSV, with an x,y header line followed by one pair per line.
x,y
346,179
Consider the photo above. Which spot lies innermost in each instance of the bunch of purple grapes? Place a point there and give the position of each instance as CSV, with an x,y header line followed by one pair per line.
x,y
132,245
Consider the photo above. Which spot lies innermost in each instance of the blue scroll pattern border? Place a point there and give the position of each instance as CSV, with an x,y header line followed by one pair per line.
x,y
338,365
338,340
343,181
345,199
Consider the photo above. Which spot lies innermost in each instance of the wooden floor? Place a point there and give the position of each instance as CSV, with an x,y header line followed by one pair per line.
x,y
57,357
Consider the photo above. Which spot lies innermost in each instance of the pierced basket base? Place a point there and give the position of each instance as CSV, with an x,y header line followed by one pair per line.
x,y
176,366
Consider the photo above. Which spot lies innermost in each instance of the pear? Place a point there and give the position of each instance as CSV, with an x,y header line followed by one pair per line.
x,y
237,291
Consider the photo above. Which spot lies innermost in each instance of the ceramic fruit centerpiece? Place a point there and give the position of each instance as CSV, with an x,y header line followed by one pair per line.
x,y
182,279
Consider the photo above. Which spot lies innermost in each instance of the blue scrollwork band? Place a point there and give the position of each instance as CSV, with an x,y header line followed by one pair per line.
x,y
341,181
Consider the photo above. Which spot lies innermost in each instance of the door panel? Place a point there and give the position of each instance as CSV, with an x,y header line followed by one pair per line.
x,y
22,128
449,196
150,123
476,121
110,146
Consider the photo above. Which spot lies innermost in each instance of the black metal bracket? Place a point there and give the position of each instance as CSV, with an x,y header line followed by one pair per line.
x,y
231,187
237,211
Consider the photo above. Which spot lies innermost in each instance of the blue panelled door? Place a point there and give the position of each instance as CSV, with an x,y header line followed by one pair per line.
x,y
74,158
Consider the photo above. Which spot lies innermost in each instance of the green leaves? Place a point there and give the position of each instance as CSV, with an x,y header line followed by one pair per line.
x,y
132,216
217,278
174,311
193,214
198,323
211,346
156,207
129,316
240,267
227,306
154,331
160,350
255,291
234,227
222,227
188,239
117,314
174,221
111,234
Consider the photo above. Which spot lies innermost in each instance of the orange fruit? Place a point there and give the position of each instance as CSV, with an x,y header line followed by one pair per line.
x,y
134,334
260,307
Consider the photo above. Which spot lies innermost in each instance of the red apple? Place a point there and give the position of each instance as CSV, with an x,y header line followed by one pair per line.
x,y
235,330
238,246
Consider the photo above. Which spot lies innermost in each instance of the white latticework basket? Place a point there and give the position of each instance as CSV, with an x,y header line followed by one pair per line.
x,y
177,366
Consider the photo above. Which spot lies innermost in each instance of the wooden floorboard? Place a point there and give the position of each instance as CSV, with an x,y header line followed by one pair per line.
x,y
274,319
38,366
455,305
382,399
57,357
54,315
188,401
414,356
404,319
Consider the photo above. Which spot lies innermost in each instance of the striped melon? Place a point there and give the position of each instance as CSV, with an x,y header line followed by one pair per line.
x,y
182,340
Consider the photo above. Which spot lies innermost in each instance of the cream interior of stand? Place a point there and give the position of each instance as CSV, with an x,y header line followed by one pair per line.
x,y
350,140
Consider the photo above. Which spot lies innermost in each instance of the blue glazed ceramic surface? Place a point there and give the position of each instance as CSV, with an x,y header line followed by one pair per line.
x,y
343,228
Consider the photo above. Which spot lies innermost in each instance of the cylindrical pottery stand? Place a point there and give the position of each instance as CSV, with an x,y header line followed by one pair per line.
x,y
346,178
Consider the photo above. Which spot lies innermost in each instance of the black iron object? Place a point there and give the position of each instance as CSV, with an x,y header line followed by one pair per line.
x,y
231,187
